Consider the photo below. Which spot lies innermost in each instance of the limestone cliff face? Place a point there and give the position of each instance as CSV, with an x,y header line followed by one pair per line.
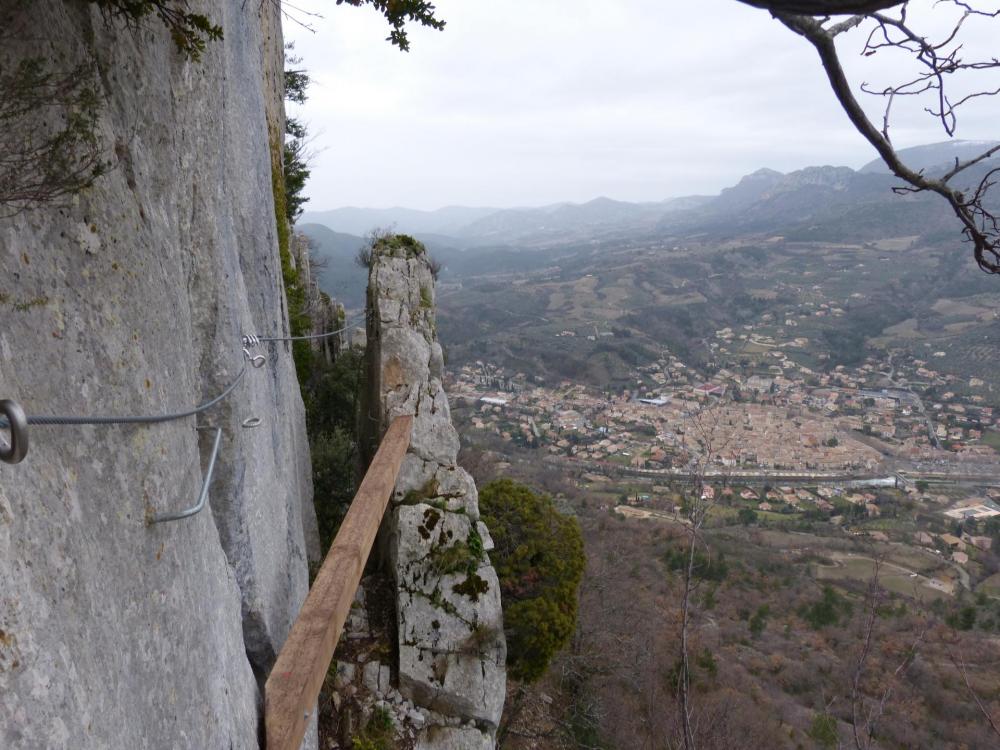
x,y
452,649
132,298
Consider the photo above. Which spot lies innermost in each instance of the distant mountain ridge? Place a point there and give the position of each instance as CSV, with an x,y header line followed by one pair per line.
x,y
933,156
337,273
823,201
361,221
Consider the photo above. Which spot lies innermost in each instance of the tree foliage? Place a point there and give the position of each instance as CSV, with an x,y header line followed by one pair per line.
x,y
704,566
294,157
190,31
398,13
331,402
296,173
823,730
539,558
827,611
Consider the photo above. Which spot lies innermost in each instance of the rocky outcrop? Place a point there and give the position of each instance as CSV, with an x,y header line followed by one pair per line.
x,y
452,649
325,314
131,298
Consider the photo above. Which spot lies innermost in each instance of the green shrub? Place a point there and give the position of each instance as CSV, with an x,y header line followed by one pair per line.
x,y
539,558
827,611
823,730
707,663
398,246
963,619
334,461
331,400
758,622
706,567
378,732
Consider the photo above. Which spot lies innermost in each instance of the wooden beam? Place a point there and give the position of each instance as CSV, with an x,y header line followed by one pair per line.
x,y
293,686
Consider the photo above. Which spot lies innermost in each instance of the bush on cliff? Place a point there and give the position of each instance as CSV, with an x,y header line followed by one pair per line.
x,y
539,559
331,401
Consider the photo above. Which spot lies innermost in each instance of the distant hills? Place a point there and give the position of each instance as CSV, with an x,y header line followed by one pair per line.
x,y
812,191
470,227
338,275
342,278
361,221
934,156
824,203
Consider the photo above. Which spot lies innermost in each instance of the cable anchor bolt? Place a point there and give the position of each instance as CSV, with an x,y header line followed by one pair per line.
x,y
16,448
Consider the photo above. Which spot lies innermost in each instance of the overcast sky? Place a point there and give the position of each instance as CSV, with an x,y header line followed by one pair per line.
x,y
528,102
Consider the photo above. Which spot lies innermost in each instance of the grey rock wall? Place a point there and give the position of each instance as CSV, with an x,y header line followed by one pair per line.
x,y
452,649
325,314
132,298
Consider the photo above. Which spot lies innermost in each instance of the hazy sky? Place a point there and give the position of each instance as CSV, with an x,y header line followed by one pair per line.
x,y
527,102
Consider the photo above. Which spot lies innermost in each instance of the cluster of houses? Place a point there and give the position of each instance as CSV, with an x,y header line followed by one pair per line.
x,y
768,421
784,418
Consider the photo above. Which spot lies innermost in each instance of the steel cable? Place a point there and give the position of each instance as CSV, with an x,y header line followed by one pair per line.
x,y
252,340
17,421
139,419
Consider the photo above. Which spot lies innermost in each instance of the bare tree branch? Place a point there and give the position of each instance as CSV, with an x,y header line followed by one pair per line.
x,y
980,222
50,147
960,666
864,726
823,7
704,424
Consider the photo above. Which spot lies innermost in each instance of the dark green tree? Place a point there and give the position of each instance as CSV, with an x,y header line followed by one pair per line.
x,y
827,611
295,159
331,399
295,165
758,621
539,559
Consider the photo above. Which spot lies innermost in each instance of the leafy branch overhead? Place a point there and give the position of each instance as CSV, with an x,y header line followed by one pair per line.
x,y
398,13
190,31
942,65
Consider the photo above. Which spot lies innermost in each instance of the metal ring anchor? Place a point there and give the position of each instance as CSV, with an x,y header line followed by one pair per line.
x,y
18,424
251,422
257,361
